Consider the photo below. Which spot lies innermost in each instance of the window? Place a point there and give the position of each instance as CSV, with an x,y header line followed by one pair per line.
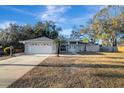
x,y
32,44
72,42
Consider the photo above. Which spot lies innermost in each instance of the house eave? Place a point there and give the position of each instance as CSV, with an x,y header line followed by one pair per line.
x,y
33,41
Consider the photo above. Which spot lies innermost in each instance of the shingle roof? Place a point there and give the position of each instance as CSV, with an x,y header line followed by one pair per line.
x,y
38,39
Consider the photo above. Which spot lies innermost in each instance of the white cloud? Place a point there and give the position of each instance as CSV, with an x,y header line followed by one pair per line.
x,y
66,32
54,13
19,10
6,24
103,6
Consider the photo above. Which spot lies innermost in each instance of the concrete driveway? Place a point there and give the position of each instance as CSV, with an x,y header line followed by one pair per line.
x,y
14,68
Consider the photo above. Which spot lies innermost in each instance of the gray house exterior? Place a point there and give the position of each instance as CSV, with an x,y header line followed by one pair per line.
x,y
78,46
44,45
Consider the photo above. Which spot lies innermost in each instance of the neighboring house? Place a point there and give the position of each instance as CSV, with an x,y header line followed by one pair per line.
x,y
79,46
41,45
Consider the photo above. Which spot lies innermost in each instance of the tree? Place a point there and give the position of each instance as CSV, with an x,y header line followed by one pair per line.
x,y
27,32
107,21
75,33
14,33
9,36
47,28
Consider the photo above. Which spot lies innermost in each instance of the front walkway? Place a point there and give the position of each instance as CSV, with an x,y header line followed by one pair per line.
x,y
14,68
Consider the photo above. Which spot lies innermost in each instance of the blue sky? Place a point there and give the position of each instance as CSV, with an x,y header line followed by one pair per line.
x,y
64,16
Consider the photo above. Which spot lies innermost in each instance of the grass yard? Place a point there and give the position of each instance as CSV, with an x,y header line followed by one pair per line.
x,y
99,70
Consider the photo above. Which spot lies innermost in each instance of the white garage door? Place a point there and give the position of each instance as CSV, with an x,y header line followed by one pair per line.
x,y
39,48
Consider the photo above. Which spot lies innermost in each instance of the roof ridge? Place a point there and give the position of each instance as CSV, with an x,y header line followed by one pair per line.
x,y
39,39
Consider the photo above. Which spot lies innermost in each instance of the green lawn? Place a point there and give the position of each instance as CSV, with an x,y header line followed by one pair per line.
x,y
87,70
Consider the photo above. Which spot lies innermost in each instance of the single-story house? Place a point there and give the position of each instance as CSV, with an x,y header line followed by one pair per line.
x,y
45,45
41,45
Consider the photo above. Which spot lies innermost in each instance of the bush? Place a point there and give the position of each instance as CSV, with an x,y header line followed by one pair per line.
x,y
7,50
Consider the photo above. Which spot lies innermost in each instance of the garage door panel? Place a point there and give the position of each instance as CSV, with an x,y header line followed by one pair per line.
x,y
39,48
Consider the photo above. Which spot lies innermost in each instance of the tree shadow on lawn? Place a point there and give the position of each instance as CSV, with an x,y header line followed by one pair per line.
x,y
82,53
109,75
83,65
115,57
98,53
90,56
91,53
69,65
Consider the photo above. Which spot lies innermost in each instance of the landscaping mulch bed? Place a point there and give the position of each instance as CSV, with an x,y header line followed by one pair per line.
x,y
76,72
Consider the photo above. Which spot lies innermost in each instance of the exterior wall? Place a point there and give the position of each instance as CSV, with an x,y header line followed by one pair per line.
x,y
77,46
81,48
54,47
26,48
73,48
92,48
